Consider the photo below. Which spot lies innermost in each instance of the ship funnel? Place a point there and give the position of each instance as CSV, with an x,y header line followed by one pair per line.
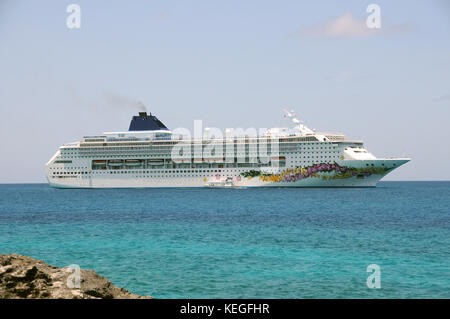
x,y
146,122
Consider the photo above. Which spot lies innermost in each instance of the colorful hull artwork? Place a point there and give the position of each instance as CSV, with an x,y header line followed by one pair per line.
x,y
323,171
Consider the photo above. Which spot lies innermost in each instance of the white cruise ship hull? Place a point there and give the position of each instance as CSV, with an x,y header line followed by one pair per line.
x,y
139,179
149,155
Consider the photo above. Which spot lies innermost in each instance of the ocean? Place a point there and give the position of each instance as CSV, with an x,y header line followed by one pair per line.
x,y
240,243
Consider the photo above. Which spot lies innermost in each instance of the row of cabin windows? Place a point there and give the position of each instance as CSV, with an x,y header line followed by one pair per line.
x,y
146,172
169,155
168,148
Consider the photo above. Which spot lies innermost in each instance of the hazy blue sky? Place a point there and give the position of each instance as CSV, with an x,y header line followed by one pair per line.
x,y
231,64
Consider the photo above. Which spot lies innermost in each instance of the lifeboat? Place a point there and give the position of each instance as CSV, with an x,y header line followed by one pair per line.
x,y
115,163
132,162
214,160
156,162
99,162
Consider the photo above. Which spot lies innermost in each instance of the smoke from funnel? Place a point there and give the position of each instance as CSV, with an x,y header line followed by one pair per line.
x,y
120,101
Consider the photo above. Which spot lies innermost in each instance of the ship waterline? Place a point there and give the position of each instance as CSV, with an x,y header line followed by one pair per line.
x,y
150,155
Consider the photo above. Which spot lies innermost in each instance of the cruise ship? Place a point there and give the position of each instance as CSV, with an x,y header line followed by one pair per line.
x,y
150,155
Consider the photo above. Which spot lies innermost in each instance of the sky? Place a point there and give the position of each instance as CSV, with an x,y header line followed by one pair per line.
x,y
230,64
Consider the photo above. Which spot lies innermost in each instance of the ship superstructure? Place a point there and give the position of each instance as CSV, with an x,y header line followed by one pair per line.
x,y
150,155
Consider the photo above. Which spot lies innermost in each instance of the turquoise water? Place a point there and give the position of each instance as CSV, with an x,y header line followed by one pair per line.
x,y
246,243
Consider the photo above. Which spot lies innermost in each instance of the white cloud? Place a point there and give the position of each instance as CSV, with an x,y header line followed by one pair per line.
x,y
346,25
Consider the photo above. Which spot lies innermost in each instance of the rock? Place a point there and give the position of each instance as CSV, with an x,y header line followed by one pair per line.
x,y
25,277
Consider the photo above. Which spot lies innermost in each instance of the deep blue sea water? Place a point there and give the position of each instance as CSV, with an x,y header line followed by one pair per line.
x,y
240,243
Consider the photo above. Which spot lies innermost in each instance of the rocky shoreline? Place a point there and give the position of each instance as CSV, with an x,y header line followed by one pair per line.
x,y
25,277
